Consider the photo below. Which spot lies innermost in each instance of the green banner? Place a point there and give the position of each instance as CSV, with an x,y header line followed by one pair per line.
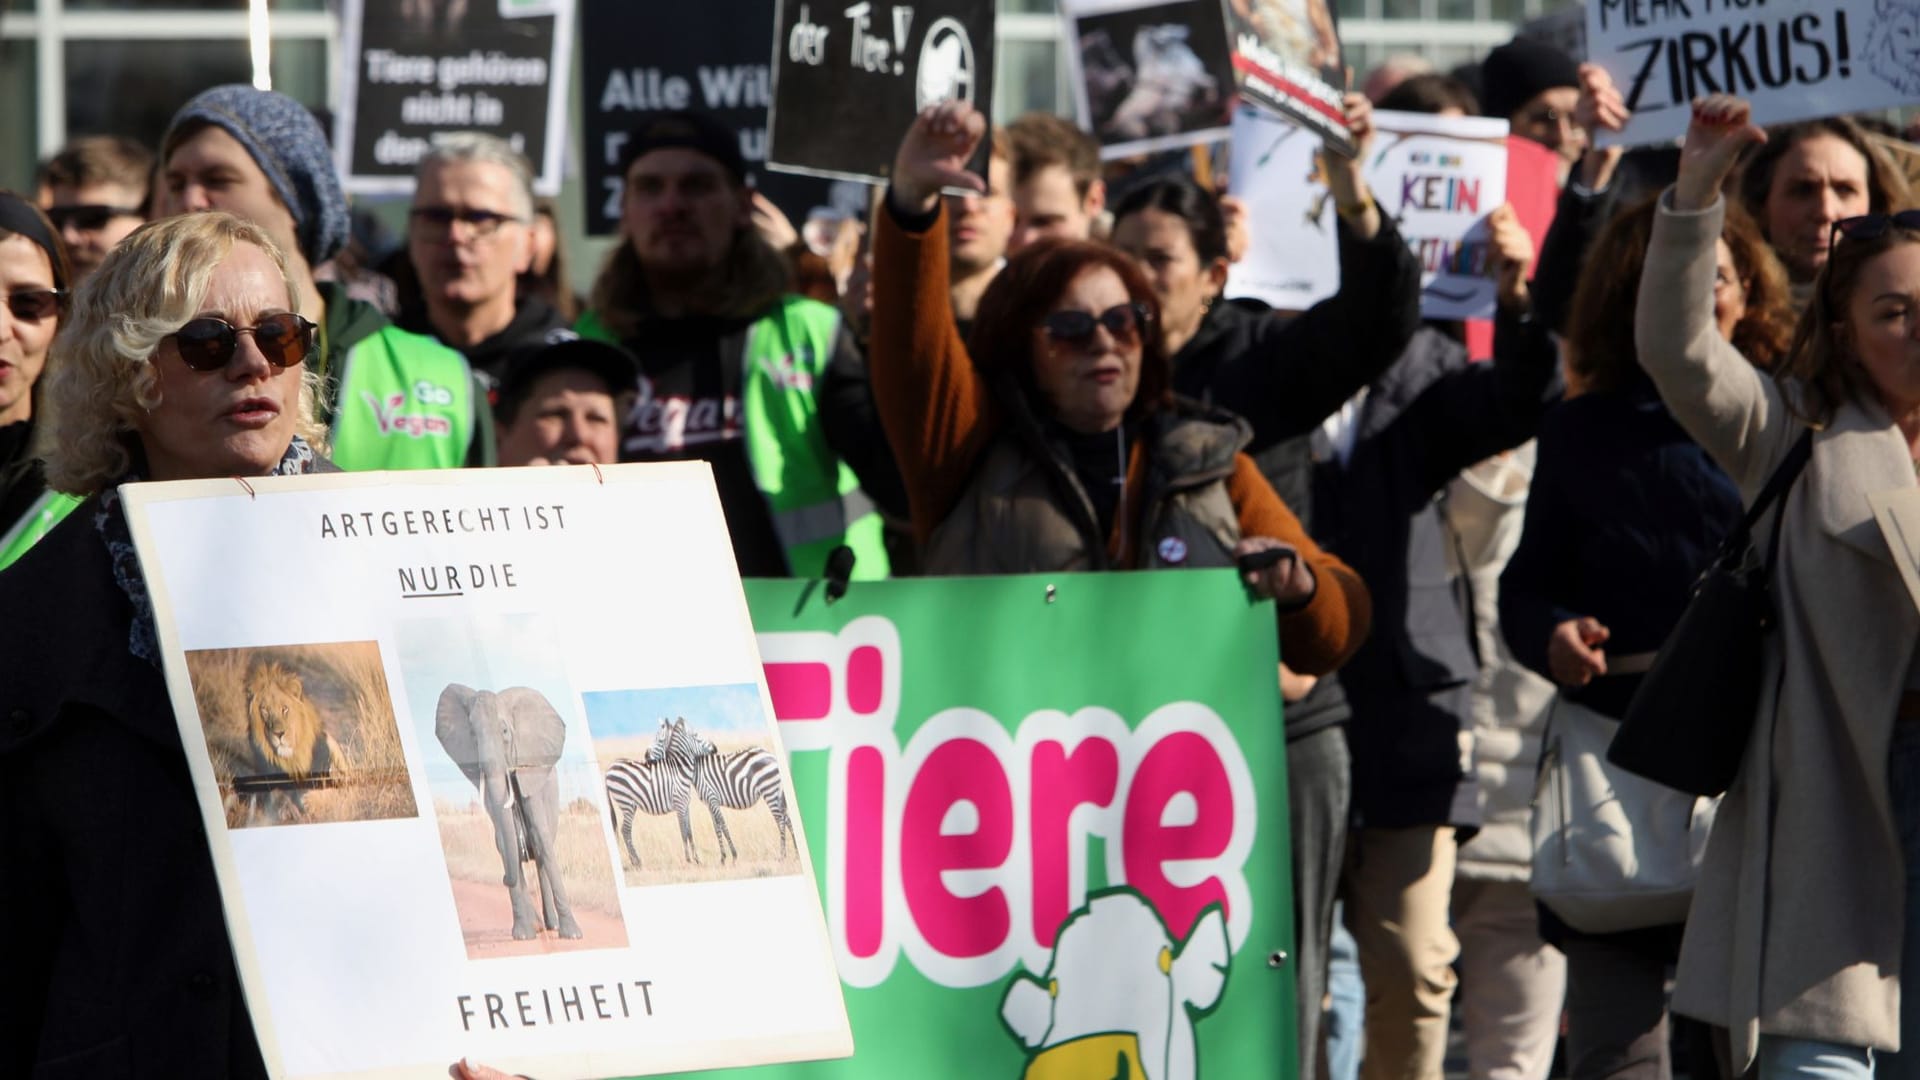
x,y
1048,816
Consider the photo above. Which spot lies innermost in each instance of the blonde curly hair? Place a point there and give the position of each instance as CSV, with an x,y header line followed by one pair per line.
x,y
149,286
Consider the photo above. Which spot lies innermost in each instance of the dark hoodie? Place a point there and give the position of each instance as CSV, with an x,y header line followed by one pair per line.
x,y
1286,375
533,318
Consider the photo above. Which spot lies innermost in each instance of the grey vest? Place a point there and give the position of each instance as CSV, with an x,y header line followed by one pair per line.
x,y
1015,518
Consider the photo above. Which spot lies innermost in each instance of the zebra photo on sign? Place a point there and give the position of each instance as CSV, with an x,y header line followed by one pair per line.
x,y
739,781
695,789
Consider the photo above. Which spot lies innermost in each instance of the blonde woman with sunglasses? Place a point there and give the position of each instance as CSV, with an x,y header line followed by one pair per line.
x,y
1798,940
183,358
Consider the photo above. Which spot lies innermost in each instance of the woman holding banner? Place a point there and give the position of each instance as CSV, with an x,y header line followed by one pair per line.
x,y
1059,446
183,359
1798,940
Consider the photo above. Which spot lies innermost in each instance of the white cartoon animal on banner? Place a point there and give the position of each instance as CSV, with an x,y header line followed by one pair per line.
x,y
1120,996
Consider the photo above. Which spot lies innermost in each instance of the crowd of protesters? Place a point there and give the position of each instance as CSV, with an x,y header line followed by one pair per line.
x,y
1038,370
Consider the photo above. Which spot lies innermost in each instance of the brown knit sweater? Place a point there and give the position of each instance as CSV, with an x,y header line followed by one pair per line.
x,y
940,418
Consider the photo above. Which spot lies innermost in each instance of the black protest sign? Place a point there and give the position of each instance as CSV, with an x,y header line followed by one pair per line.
x,y
639,59
1793,59
415,71
850,78
1287,59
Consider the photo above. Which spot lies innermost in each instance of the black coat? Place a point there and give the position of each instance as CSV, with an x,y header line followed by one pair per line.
x,y
1285,375
116,959
1431,415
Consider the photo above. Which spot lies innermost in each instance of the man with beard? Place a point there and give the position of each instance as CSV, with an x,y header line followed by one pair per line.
x,y
735,369
469,236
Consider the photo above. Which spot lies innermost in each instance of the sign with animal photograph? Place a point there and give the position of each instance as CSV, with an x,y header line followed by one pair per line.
x,y
1150,74
1794,59
849,78
489,771
1438,177
1287,58
420,69
641,59
1293,261
1070,868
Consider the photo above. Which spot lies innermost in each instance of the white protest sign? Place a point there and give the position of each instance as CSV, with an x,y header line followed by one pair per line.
x,y
1794,59
416,707
1439,177
1293,259
1436,177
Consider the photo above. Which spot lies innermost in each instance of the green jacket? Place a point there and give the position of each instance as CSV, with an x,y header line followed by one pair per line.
x,y
815,498
399,400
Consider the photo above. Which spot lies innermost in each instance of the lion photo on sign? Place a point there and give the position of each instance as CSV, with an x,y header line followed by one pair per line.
x,y
301,734
283,729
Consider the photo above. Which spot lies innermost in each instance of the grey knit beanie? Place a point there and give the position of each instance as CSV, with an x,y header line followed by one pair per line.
x,y
288,145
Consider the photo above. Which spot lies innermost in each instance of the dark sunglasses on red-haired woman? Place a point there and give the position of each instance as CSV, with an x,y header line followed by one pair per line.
x,y
33,305
207,344
1123,321
1869,226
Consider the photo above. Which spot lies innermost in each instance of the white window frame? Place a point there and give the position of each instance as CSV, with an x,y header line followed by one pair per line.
x,y
50,26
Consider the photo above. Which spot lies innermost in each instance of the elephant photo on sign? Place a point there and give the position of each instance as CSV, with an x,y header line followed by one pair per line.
x,y
507,745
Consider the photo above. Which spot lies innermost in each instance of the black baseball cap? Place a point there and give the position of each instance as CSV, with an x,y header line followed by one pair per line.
x,y
562,349
690,131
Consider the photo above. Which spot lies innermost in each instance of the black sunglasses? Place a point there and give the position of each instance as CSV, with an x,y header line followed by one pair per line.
x,y
208,344
1869,226
1123,321
33,305
438,220
90,217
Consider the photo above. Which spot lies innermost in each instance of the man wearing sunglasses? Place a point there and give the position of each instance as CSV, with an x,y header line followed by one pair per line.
x,y
400,400
1535,88
469,238
98,185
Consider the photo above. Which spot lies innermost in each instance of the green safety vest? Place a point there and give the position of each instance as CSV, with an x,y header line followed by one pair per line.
x,y
48,510
816,500
406,402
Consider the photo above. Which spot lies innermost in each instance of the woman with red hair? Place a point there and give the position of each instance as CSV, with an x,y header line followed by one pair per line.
x,y
1059,445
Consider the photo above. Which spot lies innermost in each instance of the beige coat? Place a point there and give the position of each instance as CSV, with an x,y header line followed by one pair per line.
x,y
1485,508
1797,924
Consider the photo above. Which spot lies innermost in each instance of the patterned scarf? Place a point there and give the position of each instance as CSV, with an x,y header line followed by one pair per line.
x,y
110,521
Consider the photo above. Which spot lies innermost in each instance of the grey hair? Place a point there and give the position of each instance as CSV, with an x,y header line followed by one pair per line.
x,y
460,146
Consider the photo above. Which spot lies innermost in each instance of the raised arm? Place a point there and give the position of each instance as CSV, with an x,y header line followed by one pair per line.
x,y
1479,410
1732,410
1585,205
1298,372
936,411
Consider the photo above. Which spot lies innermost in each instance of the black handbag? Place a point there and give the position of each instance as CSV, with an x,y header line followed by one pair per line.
x,y
1689,722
